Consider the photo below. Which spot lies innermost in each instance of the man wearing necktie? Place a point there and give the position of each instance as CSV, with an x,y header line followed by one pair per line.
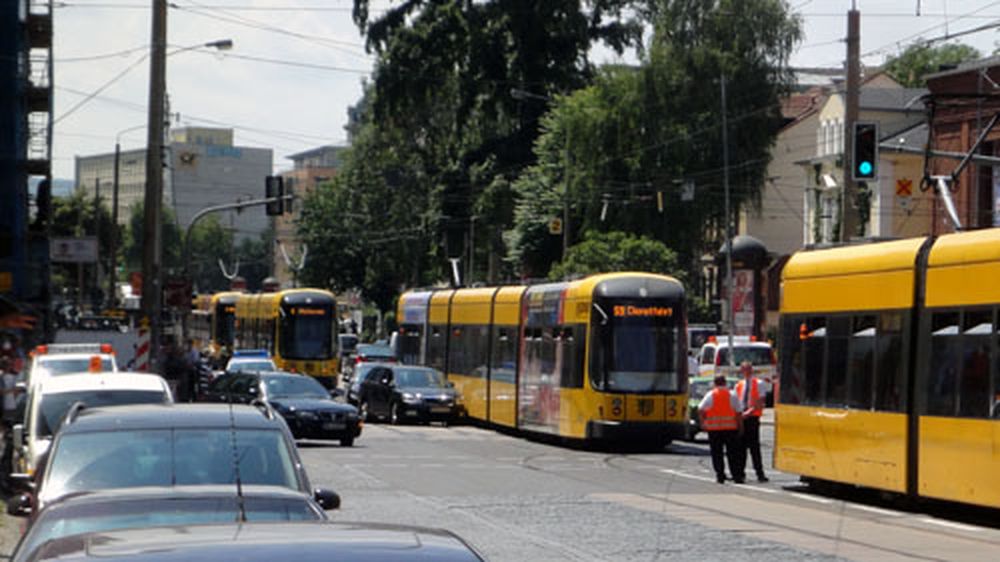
x,y
749,392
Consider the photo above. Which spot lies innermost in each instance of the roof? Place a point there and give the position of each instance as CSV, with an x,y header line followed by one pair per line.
x,y
327,541
101,381
162,416
964,67
892,99
316,151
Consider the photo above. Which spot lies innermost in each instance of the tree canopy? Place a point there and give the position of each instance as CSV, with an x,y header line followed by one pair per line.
x,y
918,60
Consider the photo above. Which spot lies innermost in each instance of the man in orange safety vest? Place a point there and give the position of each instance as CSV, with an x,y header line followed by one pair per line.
x,y
720,414
748,391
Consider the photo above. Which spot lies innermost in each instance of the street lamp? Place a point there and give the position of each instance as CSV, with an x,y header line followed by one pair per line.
x,y
152,244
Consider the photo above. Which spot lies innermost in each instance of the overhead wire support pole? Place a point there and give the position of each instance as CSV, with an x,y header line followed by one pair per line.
x,y
728,221
849,211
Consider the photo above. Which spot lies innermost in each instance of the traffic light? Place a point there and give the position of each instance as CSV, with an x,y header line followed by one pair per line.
x,y
865,163
274,186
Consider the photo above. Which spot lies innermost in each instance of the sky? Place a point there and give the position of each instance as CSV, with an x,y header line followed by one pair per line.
x,y
296,65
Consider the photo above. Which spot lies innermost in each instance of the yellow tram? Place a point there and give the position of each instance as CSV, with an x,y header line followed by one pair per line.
x,y
212,320
602,358
297,326
890,367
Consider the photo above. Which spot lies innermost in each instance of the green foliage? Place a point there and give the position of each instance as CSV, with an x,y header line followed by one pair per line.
x,y
614,149
210,242
72,217
602,252
701,311
918,60
170,235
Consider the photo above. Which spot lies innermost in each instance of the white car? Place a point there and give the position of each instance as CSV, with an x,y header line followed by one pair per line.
x,y
51,399
713,360
60,359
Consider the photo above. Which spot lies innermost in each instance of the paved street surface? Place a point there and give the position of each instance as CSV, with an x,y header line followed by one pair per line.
x,y
518,500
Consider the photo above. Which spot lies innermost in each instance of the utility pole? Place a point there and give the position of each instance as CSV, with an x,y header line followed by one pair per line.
x,y
97,234
729,223
151,243
113,245
849,210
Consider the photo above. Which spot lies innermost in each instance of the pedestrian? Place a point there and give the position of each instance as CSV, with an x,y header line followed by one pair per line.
x,y
748,391
8,392
719,414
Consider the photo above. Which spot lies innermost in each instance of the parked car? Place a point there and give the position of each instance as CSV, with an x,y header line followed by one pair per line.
x,y
94,512
366,353
305,404
174,445
57,359
698,387
264,542
713,360
353,394
406,393
250,361
50,399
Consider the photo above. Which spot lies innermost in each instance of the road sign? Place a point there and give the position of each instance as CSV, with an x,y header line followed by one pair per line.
x,y
904,187
73,250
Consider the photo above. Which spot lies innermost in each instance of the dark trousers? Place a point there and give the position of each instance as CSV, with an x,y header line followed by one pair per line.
x,y
751,442
725,442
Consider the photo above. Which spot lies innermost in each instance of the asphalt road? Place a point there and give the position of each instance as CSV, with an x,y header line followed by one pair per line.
x,y
517,500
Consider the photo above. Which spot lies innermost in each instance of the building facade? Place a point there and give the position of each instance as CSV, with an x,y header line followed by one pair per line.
x,y
205,168
310,169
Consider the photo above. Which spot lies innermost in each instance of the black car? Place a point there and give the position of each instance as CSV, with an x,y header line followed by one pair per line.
x,y
130,508
305,404
173,445
362,373
252,542
406,393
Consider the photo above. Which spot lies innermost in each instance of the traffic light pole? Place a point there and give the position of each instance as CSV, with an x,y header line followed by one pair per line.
x,y
849,210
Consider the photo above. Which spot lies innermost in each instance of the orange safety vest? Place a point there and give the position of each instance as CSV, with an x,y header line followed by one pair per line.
x,y
721,416
754,396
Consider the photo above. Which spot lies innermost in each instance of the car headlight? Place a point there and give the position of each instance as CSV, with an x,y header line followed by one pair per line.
x,y
411,398
303,415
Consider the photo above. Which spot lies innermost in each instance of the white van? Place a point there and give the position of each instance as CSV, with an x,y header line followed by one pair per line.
x,y
51,399
713,360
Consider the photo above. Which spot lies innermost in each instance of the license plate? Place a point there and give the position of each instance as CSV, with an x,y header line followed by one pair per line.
x,y
330,426
440,409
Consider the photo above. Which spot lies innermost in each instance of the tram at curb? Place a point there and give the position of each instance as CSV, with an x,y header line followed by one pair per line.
x,y
297,326
890,367
599,359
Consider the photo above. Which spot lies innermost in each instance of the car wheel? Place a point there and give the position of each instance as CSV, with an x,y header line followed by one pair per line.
x,y
364,412
394,416
347,442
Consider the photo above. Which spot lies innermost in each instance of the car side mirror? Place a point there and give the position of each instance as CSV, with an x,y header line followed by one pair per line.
x,y
326,498
449,384
19,505
385,381
18,432
336,392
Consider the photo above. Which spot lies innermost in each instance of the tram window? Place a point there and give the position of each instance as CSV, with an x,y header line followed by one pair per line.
x,y
792,380
838,332
861,362
945,361
995,394
436,348
571,374
479,351
503,364
890,363
459,348
813,351
974,387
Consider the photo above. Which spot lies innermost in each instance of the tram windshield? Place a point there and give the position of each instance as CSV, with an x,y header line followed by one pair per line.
x,y
306,333
636,349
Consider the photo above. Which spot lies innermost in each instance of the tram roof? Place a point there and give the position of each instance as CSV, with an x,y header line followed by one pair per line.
x,y
852,260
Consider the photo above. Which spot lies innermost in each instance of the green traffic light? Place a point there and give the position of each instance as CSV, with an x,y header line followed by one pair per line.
x,y
865,168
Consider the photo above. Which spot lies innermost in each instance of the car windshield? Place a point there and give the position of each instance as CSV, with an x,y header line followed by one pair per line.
x,y
292,386
419,378
86,517
700,388
251,366
53,407
66,366
756,355
167,457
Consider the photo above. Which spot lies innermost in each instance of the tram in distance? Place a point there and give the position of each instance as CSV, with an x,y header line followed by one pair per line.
x,y
599,359
298,327
212,320
890,367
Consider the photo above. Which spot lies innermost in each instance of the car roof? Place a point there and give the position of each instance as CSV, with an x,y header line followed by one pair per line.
x,y
47,357
162,416
152,493
320,540
105,380
379,346
738,343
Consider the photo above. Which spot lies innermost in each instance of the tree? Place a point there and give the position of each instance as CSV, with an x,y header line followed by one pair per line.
x,y
918,60
170,236
209,243
602,252
74,217
617,152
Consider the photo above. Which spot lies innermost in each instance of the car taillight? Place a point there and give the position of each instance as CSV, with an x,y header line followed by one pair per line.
x,y
357,359
106,348
718,359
